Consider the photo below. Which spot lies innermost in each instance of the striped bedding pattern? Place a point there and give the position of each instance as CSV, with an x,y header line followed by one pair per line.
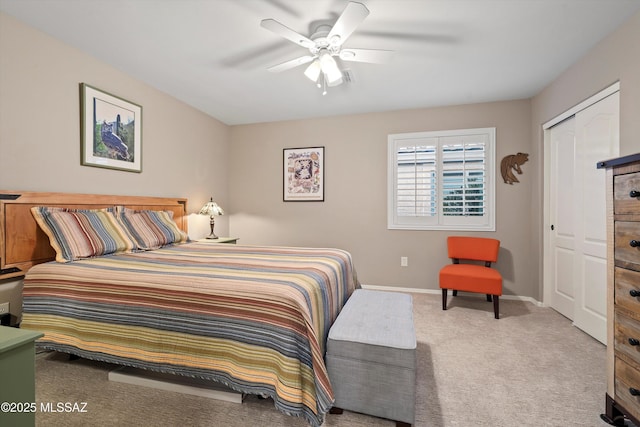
x,y
252,317
82,233
150,229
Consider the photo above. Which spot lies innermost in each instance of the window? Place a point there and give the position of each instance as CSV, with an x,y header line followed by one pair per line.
x,y
442,180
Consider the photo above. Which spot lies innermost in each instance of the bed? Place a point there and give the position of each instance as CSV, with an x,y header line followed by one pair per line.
x,y
254,318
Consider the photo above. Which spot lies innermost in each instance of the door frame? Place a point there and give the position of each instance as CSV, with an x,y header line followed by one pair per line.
x,y
547,275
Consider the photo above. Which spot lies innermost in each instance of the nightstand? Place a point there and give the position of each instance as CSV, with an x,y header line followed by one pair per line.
x,y
17,370
231,240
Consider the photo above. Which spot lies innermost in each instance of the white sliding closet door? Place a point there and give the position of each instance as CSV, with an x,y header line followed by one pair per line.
x,y
563,232
577,213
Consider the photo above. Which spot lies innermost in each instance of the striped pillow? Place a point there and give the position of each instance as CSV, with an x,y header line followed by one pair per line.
x,y
150,229
82,233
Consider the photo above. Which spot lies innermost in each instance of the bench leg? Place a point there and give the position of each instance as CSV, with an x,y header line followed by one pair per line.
x,y
496,307
488,298
444,299
455,293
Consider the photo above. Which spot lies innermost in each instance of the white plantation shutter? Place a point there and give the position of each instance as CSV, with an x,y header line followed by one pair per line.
x,y
416,180
442,180
463,174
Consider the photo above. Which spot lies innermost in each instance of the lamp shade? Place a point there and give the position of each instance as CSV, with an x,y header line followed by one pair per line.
x,y
211,208
329,66
313,71
335,78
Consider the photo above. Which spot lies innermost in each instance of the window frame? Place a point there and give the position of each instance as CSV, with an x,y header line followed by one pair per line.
x,y
439,221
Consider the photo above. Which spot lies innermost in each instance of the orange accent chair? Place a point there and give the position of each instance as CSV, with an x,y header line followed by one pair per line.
x,y
472,277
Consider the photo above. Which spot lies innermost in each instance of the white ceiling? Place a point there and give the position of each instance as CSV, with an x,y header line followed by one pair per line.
x,y
213,54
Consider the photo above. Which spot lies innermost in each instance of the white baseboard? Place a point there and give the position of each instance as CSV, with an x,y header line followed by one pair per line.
x,y
439,292
175,383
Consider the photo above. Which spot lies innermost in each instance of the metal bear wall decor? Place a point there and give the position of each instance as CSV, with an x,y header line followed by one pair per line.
x,y
509,164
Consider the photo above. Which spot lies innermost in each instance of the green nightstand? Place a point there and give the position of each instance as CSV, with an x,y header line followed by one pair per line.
x,y
17,374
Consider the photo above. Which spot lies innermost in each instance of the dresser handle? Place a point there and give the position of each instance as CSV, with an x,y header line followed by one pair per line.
x,y
634,293
634,243
634,193
633,341
634,391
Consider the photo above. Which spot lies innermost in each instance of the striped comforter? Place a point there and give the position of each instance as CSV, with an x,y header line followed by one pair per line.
x,y
254,318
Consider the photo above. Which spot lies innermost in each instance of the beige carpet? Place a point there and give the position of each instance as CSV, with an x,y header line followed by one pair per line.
x,y
530,368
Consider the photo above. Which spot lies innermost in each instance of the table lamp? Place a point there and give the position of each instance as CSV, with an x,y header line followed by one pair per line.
x,y
212,209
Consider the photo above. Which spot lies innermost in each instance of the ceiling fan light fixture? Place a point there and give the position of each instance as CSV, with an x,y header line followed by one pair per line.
x,y
332,73
334,80
328,64
313,71
325,43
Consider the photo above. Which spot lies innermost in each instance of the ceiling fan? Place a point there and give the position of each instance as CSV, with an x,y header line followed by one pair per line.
x,y
325,43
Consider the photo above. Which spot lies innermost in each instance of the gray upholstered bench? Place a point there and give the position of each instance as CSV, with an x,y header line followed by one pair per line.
x,y
371,356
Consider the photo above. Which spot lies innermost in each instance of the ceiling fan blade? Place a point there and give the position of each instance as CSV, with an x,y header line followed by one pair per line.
x,y
407,36
346,24
291,64
286,32
376,56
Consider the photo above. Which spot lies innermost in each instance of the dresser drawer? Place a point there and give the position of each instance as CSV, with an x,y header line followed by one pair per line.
x,y
627,244
627,387
623,203
626,282
627,337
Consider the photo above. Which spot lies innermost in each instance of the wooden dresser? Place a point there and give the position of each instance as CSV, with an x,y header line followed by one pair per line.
x,y
623,289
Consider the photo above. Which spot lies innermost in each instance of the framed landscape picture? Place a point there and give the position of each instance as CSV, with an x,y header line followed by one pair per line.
x,y
303,174
111,131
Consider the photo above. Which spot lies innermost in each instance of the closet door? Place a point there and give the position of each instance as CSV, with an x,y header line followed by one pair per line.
x,y
577,213
597,138
562,238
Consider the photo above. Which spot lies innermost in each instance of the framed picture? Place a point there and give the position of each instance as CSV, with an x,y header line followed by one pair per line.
x,y
303,174
111,131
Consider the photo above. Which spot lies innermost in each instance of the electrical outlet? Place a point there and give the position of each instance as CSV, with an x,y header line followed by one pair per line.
x,y
4,308
404,261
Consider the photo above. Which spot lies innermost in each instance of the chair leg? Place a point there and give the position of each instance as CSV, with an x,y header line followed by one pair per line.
x,y
496,307
455,293
444,299
488,298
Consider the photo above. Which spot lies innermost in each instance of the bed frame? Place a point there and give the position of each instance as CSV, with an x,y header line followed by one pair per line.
x,y
23,244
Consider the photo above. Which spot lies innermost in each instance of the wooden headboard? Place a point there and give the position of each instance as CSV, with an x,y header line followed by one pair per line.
x,y
23,244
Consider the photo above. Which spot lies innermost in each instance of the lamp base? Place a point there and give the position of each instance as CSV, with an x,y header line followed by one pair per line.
x,y
212,222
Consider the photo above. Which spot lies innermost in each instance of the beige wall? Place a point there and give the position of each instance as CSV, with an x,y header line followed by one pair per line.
x,y
184,150
354,213
616,58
